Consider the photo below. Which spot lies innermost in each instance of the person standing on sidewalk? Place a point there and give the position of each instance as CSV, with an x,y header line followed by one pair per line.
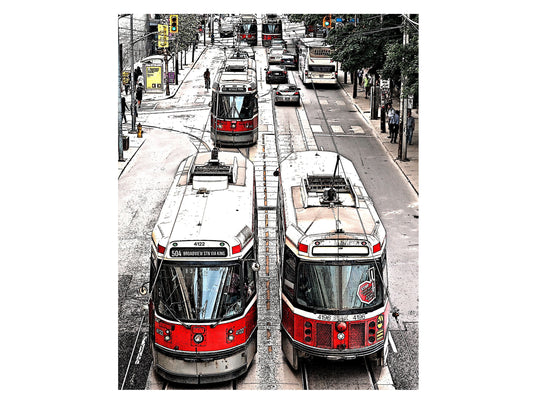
x,y
207,78
410,127
395,126
123,107
360,76
390,118
367,83
139,94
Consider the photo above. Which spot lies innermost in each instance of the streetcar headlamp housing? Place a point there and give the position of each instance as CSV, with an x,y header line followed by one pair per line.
x,y
340,336
198,338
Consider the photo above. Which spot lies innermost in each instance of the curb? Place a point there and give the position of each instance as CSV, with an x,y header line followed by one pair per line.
x,y
377,136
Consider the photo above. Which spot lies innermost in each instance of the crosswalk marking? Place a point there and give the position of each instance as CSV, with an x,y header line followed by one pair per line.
x,y
337,129
316,128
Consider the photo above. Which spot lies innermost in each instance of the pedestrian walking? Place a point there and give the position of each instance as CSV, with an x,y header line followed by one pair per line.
x,y
207,78
139,94
136,74
390,118
366,82
410,127
395,126
123,107
360,76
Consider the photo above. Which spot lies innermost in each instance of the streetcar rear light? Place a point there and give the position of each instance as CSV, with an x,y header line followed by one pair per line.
x,y
278,93
306,73
160,249
236,249
285,72
307,324
340,326
376,248
296,92
303,247
372,324
371,339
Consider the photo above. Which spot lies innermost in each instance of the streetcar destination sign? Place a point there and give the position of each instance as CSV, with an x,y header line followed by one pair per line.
x,y
199,252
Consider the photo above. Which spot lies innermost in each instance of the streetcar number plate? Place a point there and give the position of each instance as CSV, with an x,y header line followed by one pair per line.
x,y
199,252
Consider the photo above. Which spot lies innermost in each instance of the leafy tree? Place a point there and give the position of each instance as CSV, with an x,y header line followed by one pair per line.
x,y
402,60
376,42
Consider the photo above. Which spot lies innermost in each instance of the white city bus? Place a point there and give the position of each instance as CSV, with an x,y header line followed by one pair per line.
x,y
315,63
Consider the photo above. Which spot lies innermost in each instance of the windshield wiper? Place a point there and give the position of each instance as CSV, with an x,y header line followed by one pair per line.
x,y
174,316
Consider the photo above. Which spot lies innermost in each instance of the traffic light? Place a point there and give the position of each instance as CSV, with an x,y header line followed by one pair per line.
x,y
173,24
326,22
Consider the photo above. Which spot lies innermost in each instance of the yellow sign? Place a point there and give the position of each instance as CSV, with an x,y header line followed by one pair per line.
x,y
126,77
162,37
154,78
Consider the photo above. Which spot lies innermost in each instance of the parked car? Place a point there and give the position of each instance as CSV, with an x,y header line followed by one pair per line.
x,y
287,93
276,74
274,56
289,60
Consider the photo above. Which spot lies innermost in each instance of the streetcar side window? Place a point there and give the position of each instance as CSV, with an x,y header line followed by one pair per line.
x,y
249,281
213,102
289,273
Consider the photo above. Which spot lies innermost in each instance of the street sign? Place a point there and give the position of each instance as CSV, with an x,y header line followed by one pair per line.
x,y
126,77
162,37
385,83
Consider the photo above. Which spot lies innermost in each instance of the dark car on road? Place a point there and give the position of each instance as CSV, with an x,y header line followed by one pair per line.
x,y
287,93
276,74
289,60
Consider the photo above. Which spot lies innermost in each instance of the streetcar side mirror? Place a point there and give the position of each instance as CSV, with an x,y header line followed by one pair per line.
x,y
255,266
143,290
276,172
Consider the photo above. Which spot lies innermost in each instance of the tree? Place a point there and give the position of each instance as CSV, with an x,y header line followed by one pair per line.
x,y
375,42
402,61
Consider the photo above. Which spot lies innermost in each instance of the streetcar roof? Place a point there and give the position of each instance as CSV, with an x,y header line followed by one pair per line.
x,y
305,178
210,206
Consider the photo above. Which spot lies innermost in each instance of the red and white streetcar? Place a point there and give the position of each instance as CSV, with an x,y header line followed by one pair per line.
x,y
203,271
271,28
333,275
234,104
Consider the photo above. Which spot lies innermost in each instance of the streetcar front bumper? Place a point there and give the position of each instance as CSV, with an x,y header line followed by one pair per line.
x,y
202,368
290,346
235,138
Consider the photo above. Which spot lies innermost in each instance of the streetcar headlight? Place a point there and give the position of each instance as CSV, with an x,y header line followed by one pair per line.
x,y
230,338
340,336
198,338
167,338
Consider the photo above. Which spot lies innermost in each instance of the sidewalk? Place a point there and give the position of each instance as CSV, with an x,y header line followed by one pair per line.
x,y
409,168
135,142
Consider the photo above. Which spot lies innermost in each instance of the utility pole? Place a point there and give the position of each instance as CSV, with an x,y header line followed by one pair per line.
x,y
120,148
133,119
402,145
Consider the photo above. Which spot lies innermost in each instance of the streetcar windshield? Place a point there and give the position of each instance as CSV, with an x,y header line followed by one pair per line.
x,y
339,287
198,292
271,28
236,106
249,28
